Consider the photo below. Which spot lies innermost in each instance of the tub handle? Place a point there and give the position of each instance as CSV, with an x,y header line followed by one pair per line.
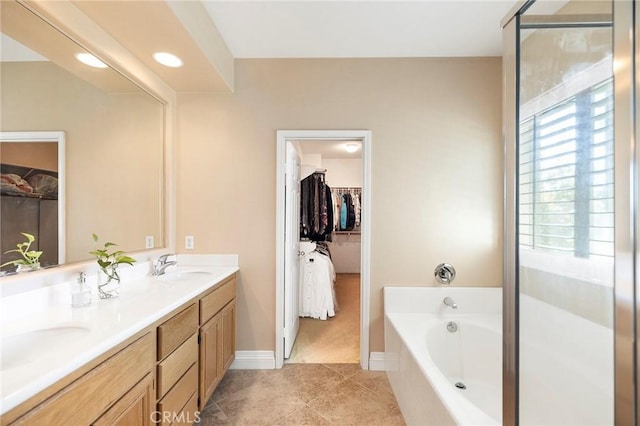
x,y
445,273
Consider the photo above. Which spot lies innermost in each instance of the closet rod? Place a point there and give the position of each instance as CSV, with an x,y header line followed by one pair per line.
x,y
346,188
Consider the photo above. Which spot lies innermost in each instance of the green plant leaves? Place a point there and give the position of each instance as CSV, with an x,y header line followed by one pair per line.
x,y
29,257
106,259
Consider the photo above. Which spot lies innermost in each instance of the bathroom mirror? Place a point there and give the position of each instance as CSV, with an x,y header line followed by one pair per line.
x,y
114,135
32,194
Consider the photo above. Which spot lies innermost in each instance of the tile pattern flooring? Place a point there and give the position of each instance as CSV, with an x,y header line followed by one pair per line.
x,y
303,394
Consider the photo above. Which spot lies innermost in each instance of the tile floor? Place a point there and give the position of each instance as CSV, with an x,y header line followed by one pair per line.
x,y
303,394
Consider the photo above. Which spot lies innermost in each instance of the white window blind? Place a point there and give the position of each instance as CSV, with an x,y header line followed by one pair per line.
x,y
566,176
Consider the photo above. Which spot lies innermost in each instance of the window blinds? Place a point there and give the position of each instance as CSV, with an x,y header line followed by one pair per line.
x,y
566,175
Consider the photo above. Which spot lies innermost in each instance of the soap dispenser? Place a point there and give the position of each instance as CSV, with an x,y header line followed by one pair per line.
x,y
80,292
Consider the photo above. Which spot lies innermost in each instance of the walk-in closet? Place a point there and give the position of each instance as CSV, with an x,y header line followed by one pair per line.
x,y
329,285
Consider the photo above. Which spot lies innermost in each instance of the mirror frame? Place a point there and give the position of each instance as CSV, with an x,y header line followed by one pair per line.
x,y
69,20
53,137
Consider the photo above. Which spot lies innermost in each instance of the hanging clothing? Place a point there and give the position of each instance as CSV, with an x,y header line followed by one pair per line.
x,y
357,207
316,208
348,209
317,295
351,213
335,198
343,212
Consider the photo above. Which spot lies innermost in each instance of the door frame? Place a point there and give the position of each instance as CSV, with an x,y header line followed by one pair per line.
x,y
282,136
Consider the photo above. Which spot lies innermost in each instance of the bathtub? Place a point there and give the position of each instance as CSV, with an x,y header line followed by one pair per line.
x,y
444,364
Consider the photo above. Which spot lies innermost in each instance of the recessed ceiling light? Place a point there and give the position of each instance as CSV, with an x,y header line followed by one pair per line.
x,y
167,59
351,147
89,59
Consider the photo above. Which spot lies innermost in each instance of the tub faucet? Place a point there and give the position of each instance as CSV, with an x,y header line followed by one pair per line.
x,y
162,264
449,302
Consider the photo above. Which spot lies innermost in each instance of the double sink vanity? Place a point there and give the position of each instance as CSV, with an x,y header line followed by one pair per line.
x,y
153,355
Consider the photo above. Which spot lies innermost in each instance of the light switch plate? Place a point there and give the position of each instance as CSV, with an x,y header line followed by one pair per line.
x,y
189,242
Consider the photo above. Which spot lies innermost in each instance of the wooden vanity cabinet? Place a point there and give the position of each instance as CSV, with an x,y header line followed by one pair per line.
x,y
165,374
217,336
177,366
228,335
195,348
116,391
134,408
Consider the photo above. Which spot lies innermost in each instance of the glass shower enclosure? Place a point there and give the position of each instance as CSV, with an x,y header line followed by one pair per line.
x,y
570,213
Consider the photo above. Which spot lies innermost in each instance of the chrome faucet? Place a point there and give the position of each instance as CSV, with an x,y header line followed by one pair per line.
x,y
162,264
449,302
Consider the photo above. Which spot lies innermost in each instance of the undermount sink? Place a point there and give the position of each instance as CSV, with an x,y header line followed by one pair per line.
x,y
183,275
32,345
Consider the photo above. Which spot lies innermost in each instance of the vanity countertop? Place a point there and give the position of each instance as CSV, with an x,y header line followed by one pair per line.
x,y
87,332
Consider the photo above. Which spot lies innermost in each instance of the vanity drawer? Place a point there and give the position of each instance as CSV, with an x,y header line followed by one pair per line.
x,y
176,330
179,395
189,412
217,299
175,365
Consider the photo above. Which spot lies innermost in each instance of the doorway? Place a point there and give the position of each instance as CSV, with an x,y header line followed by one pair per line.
x,y
351,247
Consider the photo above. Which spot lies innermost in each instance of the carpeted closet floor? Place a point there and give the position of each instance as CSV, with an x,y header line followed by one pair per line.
x,y
336,340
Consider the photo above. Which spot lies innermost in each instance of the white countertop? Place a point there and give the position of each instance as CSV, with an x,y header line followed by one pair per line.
x,y
142,301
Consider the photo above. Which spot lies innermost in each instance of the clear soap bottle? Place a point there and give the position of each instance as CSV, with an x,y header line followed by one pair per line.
x,y
80,292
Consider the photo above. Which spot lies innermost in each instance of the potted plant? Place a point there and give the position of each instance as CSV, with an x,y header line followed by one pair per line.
x,y
108,278
30,258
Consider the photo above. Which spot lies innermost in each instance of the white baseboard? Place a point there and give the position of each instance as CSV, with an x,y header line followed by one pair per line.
x,y
254,360
376,361
265,360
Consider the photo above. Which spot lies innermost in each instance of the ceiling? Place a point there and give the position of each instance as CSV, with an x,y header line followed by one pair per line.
x,y
298,29
145,27
358,29
293,29
332,149
39,41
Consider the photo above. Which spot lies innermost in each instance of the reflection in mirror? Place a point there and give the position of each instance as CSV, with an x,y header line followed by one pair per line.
x,y
114,135
32,195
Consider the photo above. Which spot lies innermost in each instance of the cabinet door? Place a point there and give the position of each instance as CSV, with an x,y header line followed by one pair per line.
x,y
96,392
133,409
228,335
210,358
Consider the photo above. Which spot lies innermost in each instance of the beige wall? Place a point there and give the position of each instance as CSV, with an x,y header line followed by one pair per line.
x,y
39,155
436,169
343,172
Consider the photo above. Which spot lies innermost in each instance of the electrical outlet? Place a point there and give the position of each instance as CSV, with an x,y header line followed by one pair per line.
x,y
148,242
188,242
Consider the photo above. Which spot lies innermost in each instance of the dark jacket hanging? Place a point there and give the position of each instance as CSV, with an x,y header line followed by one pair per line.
x,y
316,208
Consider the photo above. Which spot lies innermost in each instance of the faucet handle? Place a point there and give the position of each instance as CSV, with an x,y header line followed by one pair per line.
x,y
163,259
445,273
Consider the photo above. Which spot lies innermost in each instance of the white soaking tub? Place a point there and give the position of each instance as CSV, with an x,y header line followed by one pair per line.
x,y
445,364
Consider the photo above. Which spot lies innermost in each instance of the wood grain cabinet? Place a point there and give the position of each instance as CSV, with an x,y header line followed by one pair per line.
x,y
134,408
177,369
114,392
163,375
228,335
217,336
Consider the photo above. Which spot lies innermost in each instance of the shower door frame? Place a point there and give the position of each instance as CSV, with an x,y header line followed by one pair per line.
x,y
626,29
626,213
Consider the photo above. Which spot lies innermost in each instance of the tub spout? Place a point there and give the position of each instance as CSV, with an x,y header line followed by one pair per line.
x,y
449,302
